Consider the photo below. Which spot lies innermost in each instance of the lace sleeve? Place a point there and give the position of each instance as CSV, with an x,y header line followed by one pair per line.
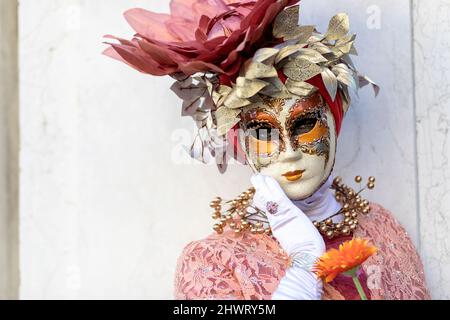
x,y
396,272
201,275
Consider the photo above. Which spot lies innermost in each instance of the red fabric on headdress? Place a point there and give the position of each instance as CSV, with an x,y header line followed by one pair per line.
x,y
336,106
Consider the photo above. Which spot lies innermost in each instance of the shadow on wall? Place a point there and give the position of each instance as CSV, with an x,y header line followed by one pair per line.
x,y
9,146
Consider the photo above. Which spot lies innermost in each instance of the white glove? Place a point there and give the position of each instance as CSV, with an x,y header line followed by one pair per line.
x,y
297,236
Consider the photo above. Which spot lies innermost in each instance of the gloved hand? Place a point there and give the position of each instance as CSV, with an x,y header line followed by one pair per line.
x,y
297,236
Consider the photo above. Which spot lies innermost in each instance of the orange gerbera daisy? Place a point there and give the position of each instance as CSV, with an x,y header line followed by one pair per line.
x,y
350,256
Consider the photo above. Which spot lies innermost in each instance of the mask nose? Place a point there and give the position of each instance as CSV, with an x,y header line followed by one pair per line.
x,y
291,155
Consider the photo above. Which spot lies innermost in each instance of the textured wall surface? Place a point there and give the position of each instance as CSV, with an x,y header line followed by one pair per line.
x,y
9,145
432,87
105,209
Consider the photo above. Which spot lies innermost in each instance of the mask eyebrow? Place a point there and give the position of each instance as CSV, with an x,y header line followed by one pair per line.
x,y
260,115
304,105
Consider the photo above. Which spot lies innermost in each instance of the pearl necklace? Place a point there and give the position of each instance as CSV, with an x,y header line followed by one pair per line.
x,y
241,216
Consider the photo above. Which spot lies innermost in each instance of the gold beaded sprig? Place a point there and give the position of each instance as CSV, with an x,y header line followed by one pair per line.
x,y
353,206
241,216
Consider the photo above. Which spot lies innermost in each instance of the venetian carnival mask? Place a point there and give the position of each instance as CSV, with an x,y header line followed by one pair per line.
x,y
251,65
292,140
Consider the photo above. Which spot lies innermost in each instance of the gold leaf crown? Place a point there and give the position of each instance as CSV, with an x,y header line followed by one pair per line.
x,y
302,54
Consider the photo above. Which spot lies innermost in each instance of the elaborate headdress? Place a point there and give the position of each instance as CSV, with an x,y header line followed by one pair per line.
x,y
227,54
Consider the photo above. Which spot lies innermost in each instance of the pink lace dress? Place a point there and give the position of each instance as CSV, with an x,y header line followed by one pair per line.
x,y
249,267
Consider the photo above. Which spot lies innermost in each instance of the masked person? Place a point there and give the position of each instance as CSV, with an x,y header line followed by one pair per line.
x,y
274,93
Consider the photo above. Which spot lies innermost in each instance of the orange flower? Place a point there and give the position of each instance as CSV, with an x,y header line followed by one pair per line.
x,y
350,256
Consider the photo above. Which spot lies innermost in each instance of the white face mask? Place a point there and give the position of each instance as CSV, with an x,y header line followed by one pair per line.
x,y
292,140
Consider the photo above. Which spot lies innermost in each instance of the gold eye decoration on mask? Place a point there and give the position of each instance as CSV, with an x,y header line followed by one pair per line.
x,y
308,127
308,130
263,139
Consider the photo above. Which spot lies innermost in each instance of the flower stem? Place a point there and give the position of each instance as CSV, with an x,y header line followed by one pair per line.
x,y
359,287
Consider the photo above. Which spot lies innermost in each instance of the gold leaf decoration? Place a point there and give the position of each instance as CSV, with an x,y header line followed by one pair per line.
x,y
364,81
226,119
321,48
344,75
301,70
196,93
344,46
317,37
275,89
331,83
311,55
266,55
189,107
299,88
187,90
287,51
220,95
232,100
339,27
347,80
353,50
350,38
255,70
246,88
286,25
305,33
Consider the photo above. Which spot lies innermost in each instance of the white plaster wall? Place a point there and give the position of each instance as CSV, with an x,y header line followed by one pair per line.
x,y
432,87
105,211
